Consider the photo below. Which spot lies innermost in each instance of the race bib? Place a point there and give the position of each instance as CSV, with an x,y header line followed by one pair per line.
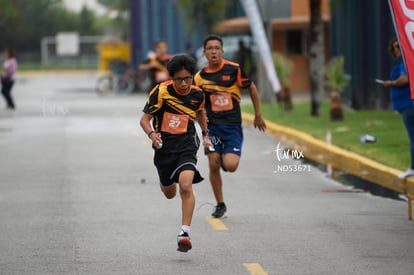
x,y
161,76
221,102
174,123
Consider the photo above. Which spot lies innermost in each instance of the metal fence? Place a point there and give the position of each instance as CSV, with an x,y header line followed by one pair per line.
x,y
88,55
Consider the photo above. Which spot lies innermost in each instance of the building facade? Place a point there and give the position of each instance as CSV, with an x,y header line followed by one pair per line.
x,y
152,20
358,30
290,24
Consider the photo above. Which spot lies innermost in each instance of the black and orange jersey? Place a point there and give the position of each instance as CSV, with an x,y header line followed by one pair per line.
x,y
222,90
173,113
159,73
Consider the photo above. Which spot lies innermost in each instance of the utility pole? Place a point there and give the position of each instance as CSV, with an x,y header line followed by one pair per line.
x,y
264,86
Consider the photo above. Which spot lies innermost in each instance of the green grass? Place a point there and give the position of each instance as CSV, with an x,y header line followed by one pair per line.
x,y
391,148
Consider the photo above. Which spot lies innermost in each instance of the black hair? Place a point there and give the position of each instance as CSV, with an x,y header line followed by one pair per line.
x,y
10,52
391,45
212,37
160,42
181,62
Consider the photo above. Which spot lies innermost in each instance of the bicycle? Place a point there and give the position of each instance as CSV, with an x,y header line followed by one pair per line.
x,y
132,81
104,84
122,80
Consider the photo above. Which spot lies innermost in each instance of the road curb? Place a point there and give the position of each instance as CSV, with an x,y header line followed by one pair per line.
x,y
53,72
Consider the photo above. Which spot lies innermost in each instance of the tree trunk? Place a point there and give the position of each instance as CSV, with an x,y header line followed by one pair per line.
x,y
284,98
316,55
336,113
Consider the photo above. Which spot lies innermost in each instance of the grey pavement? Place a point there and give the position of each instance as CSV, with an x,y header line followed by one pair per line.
x,y
79,195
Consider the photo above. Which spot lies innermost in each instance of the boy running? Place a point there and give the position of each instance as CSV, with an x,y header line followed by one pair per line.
x,y
173,107
157,63
221,81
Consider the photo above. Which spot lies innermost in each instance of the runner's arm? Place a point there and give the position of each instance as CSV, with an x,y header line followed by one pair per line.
x,y
202,120
145,123
258,119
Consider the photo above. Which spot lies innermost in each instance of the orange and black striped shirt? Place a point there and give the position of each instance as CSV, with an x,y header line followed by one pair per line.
x,y
222,90
165,103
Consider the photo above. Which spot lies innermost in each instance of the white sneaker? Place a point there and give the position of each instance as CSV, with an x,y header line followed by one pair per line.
x,y
408,173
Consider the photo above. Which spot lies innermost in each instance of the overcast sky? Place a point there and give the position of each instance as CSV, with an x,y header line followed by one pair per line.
x,y
76,5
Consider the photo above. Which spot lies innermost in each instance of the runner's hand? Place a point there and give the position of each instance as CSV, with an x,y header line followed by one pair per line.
x,y
156,140
207,143
259,123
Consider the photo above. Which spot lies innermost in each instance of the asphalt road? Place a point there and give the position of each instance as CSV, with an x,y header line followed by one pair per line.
x,y
79,195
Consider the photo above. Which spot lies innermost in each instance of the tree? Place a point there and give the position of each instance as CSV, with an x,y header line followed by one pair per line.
x,y
316,55
283,67
8,12
86,21
24,23
119,24
121,5
336,79
209,12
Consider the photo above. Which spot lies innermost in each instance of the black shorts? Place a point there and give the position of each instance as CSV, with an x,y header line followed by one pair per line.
x,y
170,165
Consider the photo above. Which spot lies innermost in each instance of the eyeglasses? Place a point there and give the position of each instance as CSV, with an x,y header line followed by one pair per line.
x,y
181,79
213,48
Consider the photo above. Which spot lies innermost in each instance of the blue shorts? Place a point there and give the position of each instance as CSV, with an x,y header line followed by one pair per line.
x,y
226,138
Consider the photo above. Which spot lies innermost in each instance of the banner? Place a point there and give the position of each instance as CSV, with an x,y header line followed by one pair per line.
x,y
402,12
259,36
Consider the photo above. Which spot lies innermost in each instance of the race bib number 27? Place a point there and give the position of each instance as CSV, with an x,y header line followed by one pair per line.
x,y
174,123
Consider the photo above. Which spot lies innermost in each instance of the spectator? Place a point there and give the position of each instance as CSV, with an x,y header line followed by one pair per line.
x,y
400,98
7,78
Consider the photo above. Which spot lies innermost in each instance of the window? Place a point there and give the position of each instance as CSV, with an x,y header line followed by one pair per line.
x,y
295,42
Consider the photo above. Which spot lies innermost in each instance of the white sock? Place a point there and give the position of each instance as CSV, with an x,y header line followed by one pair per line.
x,y
185,229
